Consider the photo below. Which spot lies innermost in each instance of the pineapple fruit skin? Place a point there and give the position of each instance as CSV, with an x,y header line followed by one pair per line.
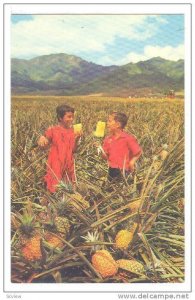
x,y
62,225
131,265
134,206
31,248
104,263
164,154
124,237
53,240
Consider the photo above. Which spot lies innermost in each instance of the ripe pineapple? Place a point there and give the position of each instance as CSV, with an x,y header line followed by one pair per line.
x,y
131,265
104,263
124,237
32,249
29,238
164,152
134,205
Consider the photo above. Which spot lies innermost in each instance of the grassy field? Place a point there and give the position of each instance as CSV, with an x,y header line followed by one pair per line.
x,y
152,199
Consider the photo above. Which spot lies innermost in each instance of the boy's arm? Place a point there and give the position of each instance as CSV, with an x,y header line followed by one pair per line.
x,y
101,150
133,161
135,150
103,153
77,140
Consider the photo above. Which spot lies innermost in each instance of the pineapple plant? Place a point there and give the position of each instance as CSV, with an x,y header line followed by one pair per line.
x,y
104,263
29,237
58,226
124,237
52,235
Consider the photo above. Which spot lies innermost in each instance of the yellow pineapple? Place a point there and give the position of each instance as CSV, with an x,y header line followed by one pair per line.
x,y
29,237
131,265
104,263
124,237
164,153
134,205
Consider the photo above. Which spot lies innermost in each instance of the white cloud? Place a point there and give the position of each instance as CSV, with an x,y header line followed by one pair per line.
x,y
72,34
167,52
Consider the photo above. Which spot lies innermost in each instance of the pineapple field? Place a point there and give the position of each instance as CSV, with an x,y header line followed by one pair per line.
x,y
131,231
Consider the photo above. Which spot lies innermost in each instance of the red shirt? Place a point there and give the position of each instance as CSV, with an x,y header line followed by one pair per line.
x,y
120,150
60,164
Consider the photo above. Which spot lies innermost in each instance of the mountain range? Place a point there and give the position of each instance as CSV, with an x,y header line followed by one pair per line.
x,y
63,74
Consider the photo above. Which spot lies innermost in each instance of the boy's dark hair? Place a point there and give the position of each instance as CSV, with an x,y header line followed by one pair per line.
x,y
121,118
61,110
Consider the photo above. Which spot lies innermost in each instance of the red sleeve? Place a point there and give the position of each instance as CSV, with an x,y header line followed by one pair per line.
x,y
133,145
49,133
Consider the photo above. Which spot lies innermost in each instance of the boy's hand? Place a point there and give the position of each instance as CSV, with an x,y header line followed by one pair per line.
x,y
78,134
100,149
43,141
132,165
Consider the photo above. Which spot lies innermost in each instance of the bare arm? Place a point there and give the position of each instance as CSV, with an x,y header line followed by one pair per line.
x,y
104,155
133,161
100,148
77,140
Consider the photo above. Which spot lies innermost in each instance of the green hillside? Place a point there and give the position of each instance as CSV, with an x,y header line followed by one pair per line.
x,y
63,74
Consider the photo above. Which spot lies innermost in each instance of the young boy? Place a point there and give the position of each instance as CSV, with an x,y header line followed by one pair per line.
x,y
120,148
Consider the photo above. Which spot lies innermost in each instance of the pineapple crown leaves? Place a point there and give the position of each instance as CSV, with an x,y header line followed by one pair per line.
x,y
66,187
50,225
27,222
91,237
164,146
62,206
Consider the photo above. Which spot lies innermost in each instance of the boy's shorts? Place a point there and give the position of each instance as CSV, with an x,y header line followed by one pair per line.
x,y
116,174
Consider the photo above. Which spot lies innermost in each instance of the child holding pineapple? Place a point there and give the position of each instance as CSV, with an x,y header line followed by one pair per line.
x,y
62,141
120,149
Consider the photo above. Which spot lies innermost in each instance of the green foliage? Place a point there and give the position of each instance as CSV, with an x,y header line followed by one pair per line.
x,y
63,74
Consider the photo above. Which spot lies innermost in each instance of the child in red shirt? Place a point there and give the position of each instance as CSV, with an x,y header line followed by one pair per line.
x,y
62,141
120,148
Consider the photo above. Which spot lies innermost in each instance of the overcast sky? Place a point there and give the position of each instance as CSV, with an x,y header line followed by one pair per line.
x,y
102,39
